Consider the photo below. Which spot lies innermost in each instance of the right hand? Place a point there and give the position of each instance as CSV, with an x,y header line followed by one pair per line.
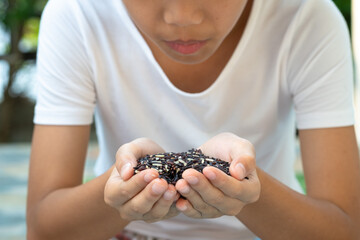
x,y
143,196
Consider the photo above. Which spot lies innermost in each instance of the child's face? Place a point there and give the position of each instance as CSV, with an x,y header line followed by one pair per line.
x,y
187,31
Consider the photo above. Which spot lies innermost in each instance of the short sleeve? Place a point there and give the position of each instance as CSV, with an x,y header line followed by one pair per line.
x,y
65,90
320,68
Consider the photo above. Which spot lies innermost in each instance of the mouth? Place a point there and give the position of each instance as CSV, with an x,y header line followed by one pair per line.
x,y
186,47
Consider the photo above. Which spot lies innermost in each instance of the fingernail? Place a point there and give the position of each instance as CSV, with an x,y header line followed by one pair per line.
x,y
192,180
168,195
185,189
182,207
158,188
210,175
125,169
149,177
241,170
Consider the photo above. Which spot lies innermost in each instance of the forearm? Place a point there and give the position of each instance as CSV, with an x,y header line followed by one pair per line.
x,y
75,213
282,213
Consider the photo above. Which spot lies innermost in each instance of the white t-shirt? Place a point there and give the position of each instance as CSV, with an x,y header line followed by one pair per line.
x,y
292,68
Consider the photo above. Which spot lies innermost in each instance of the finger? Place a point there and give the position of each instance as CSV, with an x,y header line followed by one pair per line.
x,y
118,191
161,208
128,154
197,202
227,145
243,161
246,191
212,195
242,166
187,209
143,202
173,211
238,151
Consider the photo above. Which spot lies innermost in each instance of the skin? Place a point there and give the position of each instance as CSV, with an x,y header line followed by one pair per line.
x,y
222,24
144,196
100,208
161,21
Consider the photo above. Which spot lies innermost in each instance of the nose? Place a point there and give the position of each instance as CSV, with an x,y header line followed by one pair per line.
x,y
183,13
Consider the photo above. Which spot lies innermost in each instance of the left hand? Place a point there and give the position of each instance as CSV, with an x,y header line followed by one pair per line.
x,y
214,193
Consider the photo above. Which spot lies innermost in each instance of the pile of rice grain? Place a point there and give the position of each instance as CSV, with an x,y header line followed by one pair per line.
x,y
172,165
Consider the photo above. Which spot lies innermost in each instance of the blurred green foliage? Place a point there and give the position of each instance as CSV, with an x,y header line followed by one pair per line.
x,y
300,177
16,11
30,34
24,13
20,20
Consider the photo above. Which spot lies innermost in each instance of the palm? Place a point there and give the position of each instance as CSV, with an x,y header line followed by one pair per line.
x,y
227,147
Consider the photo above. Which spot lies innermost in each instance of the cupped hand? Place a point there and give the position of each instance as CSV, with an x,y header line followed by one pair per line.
x,y
143,196
214,193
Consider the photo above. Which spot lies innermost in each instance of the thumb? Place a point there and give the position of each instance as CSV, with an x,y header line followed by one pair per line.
x,y
126,171
238,170
114,175
128,154
242,166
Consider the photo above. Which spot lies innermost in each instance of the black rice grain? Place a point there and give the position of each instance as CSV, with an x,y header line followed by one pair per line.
x,y
172,165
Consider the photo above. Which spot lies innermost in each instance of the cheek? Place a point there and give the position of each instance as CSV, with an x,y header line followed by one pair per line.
x,y
146,27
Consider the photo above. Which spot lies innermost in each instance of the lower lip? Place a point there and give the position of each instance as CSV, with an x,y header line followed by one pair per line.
x,y
186,48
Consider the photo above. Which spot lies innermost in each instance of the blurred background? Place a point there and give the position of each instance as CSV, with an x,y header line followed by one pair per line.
x,y
19,27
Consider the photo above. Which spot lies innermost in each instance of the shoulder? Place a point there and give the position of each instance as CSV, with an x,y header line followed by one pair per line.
x,y
89,10
59,7
288,12
309,7
322,15
287,21
86,18
317,26
71,5
322,7
59,13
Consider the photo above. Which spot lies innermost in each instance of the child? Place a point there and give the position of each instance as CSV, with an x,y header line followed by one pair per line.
x,y
231,77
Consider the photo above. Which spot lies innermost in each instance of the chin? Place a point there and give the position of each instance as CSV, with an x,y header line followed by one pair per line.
x,y
189,59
